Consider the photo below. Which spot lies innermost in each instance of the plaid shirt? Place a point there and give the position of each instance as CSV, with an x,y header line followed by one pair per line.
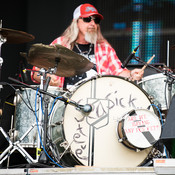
x,y
107,61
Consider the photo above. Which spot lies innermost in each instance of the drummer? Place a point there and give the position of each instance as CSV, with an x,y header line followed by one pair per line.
x,y
84,37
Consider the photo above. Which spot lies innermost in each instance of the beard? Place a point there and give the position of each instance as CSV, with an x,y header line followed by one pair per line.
x,y
91,36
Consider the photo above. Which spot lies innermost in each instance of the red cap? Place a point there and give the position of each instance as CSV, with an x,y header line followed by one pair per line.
x,y
85,10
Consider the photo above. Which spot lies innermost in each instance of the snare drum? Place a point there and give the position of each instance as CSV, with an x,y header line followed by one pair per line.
x,y
139,129
90,138
156,86
25,117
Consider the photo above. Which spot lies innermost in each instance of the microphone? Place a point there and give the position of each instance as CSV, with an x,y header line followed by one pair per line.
x,y
85,108
129,57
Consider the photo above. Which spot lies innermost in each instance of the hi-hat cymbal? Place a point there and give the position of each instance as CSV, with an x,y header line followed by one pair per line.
x,y
15,36
69,62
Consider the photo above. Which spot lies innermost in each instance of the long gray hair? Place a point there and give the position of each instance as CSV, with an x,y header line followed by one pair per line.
x,y
71,34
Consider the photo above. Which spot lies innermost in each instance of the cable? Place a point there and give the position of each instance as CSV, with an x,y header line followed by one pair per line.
x,y
31,108
159,112
40,135
4,83
162,125
51,107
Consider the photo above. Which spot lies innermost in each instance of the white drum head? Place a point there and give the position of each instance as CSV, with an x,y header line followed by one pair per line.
x,y
92,137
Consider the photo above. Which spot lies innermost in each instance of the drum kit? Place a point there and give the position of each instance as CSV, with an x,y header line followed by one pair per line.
x,y
105,121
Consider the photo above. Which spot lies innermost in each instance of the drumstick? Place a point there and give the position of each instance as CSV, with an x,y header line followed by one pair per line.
x,y
143,68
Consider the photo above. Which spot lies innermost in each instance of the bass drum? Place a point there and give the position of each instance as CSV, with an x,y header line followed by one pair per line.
x,y
90,138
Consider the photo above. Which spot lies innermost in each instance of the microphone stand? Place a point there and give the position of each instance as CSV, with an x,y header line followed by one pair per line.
x,y
170,79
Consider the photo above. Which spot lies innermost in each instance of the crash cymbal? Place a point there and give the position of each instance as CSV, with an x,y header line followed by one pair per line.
x,y
15,36
69,62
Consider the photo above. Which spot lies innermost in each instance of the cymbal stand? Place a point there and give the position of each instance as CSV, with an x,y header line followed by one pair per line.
x,y
170,82
15,146
12,146
42,76
42,158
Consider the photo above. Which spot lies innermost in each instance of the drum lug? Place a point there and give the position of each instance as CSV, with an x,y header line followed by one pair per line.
x,y
151,98
64,144
120,140
137,150
57,123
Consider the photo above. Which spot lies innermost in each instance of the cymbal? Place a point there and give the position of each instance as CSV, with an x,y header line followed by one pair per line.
x,y
15,36
69,62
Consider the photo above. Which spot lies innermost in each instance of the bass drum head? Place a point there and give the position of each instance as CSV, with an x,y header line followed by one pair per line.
x,y
92,137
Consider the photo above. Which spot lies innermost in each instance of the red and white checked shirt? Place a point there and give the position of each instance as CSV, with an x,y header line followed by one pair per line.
x,y
107,61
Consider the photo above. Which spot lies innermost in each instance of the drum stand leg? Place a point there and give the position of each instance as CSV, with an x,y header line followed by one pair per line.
x,y
41,131
43,157
15,146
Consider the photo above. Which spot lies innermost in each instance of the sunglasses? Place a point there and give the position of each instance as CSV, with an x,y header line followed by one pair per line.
x,y
90,18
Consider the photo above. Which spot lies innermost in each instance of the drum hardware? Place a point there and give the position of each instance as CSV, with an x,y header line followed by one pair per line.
x,y
170,82
66,146
42,157
14,146
42,140
17,145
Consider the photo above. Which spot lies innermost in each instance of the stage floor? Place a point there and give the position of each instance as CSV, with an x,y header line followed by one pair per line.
x,y
161,166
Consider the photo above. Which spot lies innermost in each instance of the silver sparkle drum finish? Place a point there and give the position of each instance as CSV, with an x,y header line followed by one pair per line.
x,y
156,86
25,117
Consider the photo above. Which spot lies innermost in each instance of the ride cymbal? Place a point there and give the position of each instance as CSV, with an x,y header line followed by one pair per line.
x,y
15,36
67,62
